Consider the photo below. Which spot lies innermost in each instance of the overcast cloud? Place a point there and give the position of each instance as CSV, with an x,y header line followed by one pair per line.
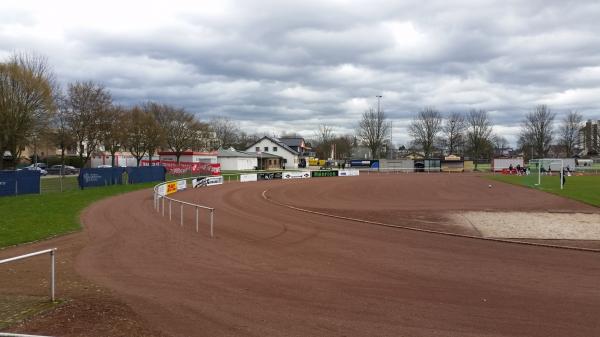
x,y
278,66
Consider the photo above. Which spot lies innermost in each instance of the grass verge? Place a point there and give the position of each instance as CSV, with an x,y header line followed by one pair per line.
x,y
581,188
34,217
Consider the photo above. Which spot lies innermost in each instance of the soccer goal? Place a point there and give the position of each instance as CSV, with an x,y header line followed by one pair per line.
x,y
545,172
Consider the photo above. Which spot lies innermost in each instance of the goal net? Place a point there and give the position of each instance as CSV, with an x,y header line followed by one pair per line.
x,y
545,173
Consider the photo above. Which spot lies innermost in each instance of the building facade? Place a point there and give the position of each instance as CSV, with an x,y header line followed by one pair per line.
x,y
589,138
271,147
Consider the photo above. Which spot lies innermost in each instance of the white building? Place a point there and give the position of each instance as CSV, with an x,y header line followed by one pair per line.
x,y
122,159
232,160
190,157
268,147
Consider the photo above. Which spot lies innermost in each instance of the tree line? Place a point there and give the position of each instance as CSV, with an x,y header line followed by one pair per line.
x,y
472,134
83,117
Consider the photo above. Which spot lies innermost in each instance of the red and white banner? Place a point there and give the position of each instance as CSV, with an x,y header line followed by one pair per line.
x,y
182,168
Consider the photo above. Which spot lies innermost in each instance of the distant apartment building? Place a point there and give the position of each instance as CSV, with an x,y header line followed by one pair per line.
x,y
589,138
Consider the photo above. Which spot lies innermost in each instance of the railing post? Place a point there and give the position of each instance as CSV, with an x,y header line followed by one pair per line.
x,y
181,216
212,218
196,219
163,206
53,273
170,218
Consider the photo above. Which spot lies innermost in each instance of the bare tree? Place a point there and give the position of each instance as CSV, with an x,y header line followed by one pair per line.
x,y
113,134
26,102
373,129
89,104
569,132
61,134
343,146
454,132
424,129
135,125
155,133
537,131
479,134
500,142
181,130
322,141
226,131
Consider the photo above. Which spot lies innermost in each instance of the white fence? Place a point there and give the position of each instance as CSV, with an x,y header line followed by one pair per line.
x,y
162,190
9,334
52,253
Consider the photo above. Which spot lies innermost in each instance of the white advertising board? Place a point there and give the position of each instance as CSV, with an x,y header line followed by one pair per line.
x,y
348,173
181,185
296,175
244,178
197,182
162,190
207,181
217,180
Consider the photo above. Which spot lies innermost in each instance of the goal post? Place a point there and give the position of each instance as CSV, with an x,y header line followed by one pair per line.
x,y
544,172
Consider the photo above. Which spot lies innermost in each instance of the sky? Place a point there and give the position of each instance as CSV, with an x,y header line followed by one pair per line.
x,y
289,66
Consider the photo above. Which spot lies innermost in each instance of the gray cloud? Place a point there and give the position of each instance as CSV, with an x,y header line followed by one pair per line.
x,y
288,66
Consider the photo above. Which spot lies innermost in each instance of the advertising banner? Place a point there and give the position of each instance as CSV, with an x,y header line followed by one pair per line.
x,y
181,185
182,168
210,181
324,173
171,187
198,182
207,181
348,173
244,178
296,175
365,163
269,175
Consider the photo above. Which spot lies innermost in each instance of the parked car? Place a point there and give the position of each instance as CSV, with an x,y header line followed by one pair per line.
x,y
36,168
64,170
40,165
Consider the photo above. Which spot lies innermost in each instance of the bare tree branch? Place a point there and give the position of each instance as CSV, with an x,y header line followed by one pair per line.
x,y
424,129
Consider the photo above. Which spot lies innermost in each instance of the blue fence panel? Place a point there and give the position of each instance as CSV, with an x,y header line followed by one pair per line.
x,y
7,183
28,182
144,174
117,175
19,182
93,177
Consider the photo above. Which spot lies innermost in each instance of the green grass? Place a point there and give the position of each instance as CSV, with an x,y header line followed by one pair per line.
x,y
582,188
29,218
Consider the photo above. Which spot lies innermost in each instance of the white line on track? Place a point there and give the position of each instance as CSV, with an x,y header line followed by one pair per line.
x,y
264,195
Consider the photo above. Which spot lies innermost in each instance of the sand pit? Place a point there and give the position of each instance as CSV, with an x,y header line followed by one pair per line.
x,y
534,225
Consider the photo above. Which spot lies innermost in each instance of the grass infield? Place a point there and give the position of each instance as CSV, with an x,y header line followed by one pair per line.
x,y
29,218
581,188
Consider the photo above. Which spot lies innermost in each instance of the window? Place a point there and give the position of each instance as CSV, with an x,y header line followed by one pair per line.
x,y
274,148
257,149
266,149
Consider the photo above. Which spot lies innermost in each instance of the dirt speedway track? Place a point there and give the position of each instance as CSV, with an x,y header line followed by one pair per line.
x,y
274,271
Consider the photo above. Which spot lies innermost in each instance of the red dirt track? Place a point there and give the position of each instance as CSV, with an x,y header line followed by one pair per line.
x,y
274,271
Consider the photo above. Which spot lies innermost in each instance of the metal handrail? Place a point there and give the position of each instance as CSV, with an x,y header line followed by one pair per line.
x,y
157,204
9,334
52,253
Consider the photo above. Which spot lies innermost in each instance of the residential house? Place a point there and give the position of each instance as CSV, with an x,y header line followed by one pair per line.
x,y
271,151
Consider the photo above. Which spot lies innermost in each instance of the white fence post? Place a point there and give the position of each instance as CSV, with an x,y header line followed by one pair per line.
x,y
196,219
212,218
52,253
